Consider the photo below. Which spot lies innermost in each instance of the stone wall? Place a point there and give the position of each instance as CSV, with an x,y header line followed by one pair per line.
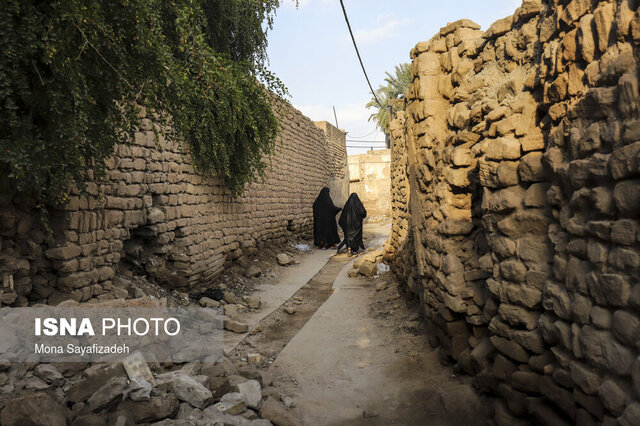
x,y
154,215
370,179
516,199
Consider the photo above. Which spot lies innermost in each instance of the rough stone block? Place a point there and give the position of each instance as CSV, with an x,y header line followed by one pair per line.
x,y
522,223
630,415
505,148
531,168
63,253
600,347
499,27
517,315
625,327
603,19
510,348
507,173
624,161
562,398
626,195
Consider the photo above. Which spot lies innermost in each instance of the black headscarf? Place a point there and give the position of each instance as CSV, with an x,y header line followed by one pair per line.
x,y
325,230
351,222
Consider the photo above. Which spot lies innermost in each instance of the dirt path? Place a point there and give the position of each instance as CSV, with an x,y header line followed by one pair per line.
x,y
351,355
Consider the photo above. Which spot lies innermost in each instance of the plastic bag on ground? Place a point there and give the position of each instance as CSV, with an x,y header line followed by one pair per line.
x,y
383,268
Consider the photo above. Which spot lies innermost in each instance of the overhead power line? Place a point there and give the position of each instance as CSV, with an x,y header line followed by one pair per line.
x,y
364,136
346,18
365,142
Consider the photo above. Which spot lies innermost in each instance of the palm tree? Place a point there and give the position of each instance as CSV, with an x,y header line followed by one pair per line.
x,y
401,80
387,94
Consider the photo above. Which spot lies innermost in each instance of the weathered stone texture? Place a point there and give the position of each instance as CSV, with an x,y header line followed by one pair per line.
x,y
369,176
539,209
153,209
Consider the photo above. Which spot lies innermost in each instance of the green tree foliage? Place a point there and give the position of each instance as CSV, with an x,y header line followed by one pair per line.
x,y
395,86
74,74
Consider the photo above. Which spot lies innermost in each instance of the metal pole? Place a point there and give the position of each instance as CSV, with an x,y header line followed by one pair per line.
x,y
335,116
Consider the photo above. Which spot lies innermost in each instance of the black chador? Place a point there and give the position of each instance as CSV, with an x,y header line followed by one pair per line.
x,y
325,230
351,223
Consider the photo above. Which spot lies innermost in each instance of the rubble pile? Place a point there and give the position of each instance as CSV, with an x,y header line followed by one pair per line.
x,y
367,263
197,393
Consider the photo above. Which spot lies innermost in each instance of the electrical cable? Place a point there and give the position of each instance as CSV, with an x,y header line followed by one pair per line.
x,y
346,18
362,137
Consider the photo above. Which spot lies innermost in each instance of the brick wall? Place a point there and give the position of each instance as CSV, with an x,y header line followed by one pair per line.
x,y
155,213
519,229
337,165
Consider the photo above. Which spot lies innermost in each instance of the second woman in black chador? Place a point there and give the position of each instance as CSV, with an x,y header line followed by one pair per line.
x,y
351,223
325,230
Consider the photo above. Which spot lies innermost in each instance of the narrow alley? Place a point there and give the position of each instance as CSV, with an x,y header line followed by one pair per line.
x,y
172,217
354,351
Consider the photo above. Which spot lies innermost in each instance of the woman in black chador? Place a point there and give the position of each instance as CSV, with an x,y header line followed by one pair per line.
x,y
325,230
351,223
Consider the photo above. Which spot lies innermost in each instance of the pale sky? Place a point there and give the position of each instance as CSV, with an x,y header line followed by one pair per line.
x,y
311,52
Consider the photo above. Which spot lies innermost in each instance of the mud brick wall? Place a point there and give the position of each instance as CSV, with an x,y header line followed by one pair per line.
x,y
370,179
399,248
521,149
337,164
154,214
337,151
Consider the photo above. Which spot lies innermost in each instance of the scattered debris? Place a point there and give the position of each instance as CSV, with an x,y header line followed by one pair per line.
x,y
137,368
229,297
49,374
251,392
108,393
210,293
368,269
187,389
139,390
368,414
34,409
290,310
232,403
283,259
254,358
252,271
383,268
205,302
288,402
381,285
277,413
253,302
235,326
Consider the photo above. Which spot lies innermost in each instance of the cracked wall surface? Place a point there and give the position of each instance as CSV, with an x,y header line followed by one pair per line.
x,y
516,199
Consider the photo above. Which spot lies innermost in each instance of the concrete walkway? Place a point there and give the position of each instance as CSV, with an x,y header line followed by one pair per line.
x,y
273,295
347,367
